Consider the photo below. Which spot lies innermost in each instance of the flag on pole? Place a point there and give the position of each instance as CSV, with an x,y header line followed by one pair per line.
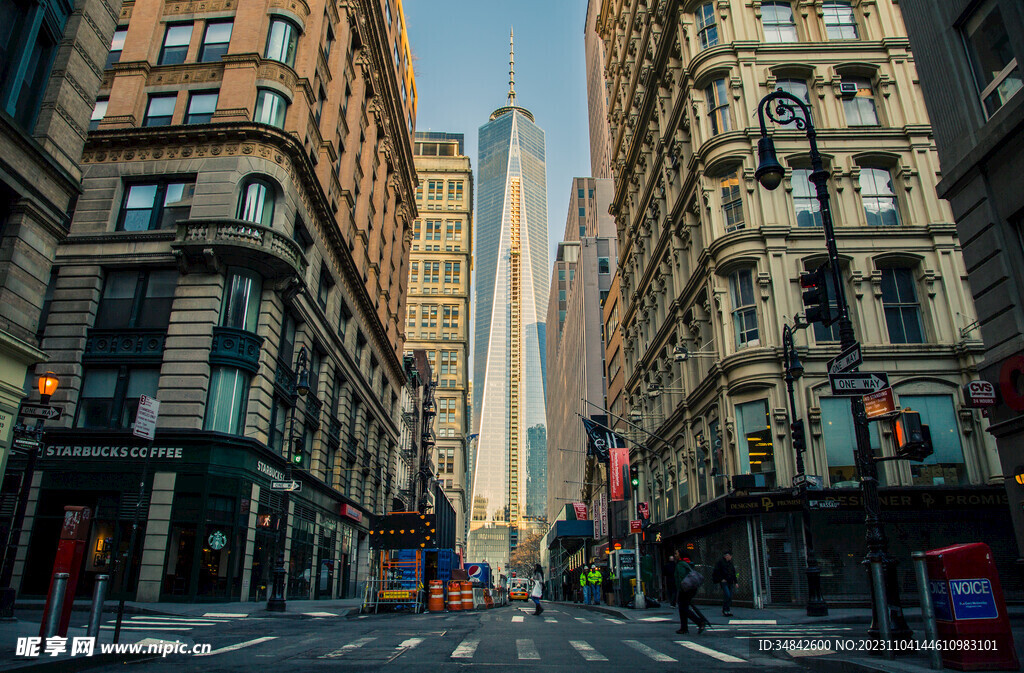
x,y
601,439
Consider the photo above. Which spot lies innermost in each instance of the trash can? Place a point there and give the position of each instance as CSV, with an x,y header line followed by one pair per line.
x,y
970,612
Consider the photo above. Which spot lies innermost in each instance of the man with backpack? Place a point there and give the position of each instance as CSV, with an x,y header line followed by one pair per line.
x,y
688,581
724,575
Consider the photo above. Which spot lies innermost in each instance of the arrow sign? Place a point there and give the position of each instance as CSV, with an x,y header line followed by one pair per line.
x,y
40,411
852,384
846,360
293,486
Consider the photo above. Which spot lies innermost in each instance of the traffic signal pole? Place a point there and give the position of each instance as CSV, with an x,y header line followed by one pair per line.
x,y
783,108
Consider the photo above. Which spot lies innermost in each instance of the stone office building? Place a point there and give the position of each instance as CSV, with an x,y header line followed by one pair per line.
x,y
243,232
709,264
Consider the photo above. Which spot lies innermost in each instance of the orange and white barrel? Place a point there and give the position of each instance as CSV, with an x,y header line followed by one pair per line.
x,y
435,601
467,595
454,595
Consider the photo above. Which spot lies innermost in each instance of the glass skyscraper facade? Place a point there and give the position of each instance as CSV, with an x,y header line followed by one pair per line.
x,y
511,264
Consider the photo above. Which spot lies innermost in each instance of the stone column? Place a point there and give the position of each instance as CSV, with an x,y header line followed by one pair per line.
x,y
250,541
154,546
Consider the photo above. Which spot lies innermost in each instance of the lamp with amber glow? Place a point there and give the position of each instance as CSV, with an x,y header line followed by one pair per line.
x,y
47,387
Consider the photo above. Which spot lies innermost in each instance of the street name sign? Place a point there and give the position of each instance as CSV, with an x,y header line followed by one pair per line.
x,y
44,411
880,404
846,360
293,486
145,419
26,444
853,384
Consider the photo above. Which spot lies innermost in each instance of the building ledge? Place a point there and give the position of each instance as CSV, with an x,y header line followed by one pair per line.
x,y
210,244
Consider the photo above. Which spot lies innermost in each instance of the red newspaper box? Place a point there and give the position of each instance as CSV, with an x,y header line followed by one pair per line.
x,y
969,608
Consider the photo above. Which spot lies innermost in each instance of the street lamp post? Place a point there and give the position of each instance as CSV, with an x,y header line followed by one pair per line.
x,y
784,108
300,386
816,606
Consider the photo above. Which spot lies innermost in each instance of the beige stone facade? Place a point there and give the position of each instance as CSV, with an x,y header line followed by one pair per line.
x,y
246,216
441,264
711,262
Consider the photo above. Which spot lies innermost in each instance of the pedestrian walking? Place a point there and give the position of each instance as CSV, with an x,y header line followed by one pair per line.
x,y
606,585
538,588
668,574
688,580
724,575
594,579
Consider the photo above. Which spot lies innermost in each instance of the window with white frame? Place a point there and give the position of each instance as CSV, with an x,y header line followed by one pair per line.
x,y
902,308
744,311
732,201
777,20
840,22
805,199
796,87
860,109
718,106
879,197
993,62
707,29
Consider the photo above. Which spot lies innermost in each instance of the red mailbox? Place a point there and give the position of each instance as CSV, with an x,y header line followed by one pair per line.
x,y
969,608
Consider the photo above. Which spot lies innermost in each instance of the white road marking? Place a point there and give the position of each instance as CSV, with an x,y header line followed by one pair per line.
x,y
319,614
517,618
466,649
146,622
409,644
583,620
526,649
237,646
613,621
714,654
656,619
648,651
753,621
232,615
350,646
149,628
810,653
586,651
550,620
156,618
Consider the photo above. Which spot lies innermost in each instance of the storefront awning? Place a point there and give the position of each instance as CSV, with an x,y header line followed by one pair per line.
x,y
567,529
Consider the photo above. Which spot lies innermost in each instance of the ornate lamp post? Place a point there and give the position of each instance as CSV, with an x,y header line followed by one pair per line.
x,y
816,606
300,387
784,108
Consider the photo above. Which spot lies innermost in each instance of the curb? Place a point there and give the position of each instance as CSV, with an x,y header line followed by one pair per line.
x,y
594,608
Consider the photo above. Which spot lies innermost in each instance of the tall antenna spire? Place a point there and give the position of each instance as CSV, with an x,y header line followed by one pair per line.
x,y
511,69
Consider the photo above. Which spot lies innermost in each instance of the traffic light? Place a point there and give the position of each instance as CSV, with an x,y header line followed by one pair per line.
x,y
634,476
817,307
298,451
796,430
913,440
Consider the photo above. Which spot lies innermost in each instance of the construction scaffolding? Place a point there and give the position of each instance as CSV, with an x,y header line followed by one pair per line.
x,y
398,585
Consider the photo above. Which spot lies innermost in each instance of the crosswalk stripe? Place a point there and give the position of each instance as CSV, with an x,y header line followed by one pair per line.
x,y
753,621
517,618
466,649
586,651
583,620
526,649
151,622
656,619
613,621
226,614
147,628
237,646
320,614
715,654
550,620
409,644
648,651
184,620
350,646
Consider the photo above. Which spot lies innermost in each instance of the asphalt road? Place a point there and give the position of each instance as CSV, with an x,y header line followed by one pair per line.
x,y
503,639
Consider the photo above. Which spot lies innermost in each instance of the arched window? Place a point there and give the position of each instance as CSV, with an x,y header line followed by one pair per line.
x,y
777,19
282,41
270,108
256,202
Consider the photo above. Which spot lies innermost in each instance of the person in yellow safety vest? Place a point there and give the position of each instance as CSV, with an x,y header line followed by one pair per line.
x,y
594,578
584,589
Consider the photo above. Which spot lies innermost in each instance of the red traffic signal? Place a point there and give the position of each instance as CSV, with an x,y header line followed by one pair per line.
x,y
913,440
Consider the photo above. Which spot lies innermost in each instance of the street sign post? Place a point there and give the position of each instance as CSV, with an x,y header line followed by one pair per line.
x,y
880,404
291,486
845,361
26,443
145,419
856,384
44,411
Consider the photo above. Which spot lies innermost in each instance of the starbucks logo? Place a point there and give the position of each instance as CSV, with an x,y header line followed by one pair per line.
x,y
217,540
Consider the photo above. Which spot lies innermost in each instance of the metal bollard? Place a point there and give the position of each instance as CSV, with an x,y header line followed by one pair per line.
x,y
96,611
60,583
881,604
931,631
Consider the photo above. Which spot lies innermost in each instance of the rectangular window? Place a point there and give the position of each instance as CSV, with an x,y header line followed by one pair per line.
x,y
278,425
718,106
99,111
796,87
435,190
156,205
583,230
286,345
110,397
946,466
227,400
324,288
604,265
175,46
215,40
777,19
201,106
242,296
707,29
744,311
137,299
732,201
879,197
840,24
282,41
993,62
902,311
160,109
455,190
757,451
805,199
840,443
583,212
116,46
344,317
271,108
860,109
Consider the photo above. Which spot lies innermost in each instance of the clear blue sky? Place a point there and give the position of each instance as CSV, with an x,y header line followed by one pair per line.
x,y
460,57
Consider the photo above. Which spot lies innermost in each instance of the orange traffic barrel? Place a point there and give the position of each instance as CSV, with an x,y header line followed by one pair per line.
x,y
467,595
435,602
454,595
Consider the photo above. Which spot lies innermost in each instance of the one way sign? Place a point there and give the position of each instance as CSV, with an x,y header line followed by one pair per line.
x,y
853,384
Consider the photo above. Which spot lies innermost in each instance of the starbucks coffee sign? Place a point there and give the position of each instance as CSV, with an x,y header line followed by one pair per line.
x,y
64,451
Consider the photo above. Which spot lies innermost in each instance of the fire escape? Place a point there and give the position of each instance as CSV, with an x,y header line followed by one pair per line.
x,y
426,465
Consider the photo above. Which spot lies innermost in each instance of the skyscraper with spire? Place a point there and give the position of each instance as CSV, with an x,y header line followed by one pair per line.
x,y
511,263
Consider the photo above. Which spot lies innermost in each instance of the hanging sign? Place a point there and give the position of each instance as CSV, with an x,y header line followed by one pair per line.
x,y
619,459
581,510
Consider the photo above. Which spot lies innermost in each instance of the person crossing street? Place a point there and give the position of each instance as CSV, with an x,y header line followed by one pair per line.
x,y
537,590
584,587
688,581
594,579
724,575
